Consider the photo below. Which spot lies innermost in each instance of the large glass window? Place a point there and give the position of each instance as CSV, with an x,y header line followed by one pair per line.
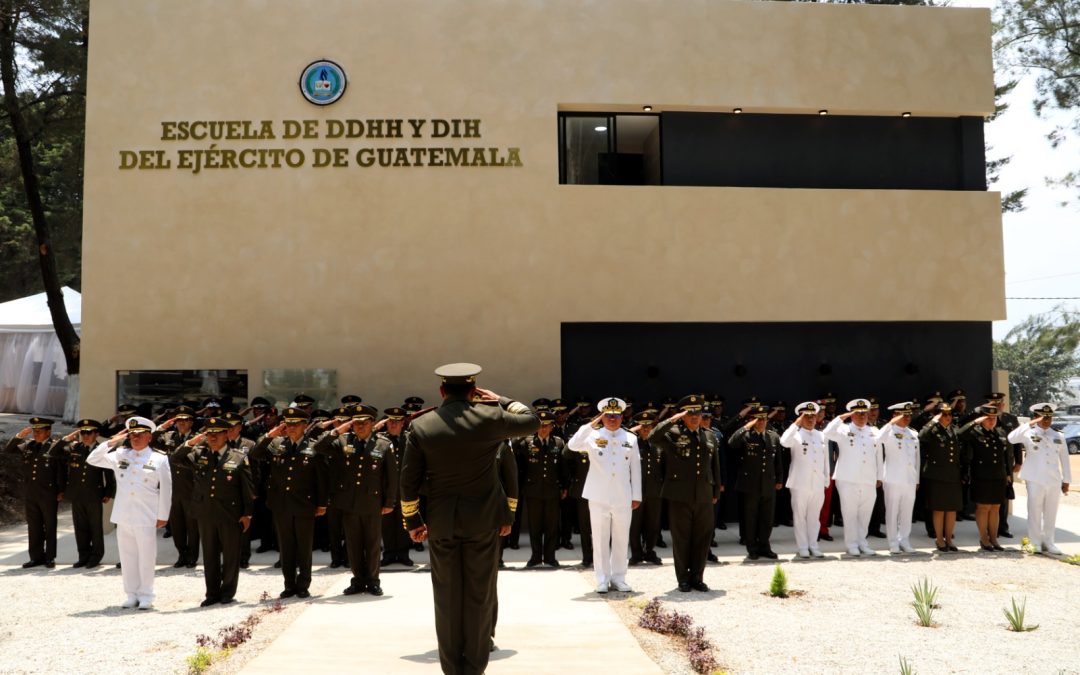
x,y
162,388
603,149
282,384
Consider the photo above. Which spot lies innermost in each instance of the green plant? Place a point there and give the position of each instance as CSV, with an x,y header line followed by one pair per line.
x,y
905,667
199,661
1026,546
1016,617
778,588
925,596
1072,559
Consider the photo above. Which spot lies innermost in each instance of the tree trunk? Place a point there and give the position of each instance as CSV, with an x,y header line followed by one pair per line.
x,y
69,339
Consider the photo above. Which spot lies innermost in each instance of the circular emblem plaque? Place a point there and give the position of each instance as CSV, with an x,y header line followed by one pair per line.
x,y
322,82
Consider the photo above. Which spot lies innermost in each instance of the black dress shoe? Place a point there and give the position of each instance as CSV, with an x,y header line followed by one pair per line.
x,y
117,565
711,557
262,549
660,543
407,561
742,542
569,546
226,601
998,547
209,601
770,554
700,586
244,564
533,562
79,563
654,559
943,549
514,547
684,587
92,564
286,594
953,548
502,565
712,542
721,525
635,560
304,594
552,563
180,563
386,561
277,565
752,556
50,564
986,547
191,564
32,563
353,590
418,546
824,536
375,589
492,648
335,564
1006,534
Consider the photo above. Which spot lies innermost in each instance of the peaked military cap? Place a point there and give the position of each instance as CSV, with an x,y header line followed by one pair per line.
x,y
303,399
216,425
126,409
40,423
715,399
89,425
649,406
957,394
582,401
136,425
351,399
260,402
294,415
692,403
759,412
646,417
364,412
874,404
1042,410
827,397
779,405
987,410
320,415
935,397
858,405
904,408
458,373
944,408
995,396
234,419
611,406
807,408
184,412
752,401
541,404
395,413
559,405
546,417
343,412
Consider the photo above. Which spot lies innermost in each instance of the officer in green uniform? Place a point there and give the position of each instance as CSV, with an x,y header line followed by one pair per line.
x,y
645,520
943,460
362,479
452,452
692,487
506,466
237,442
991,461
223,499
44,481
168,438
395,538
576,467
297,494
1007,422
88,487
541,476
759,476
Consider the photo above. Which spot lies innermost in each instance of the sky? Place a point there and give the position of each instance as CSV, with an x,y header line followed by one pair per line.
x,y
1042,243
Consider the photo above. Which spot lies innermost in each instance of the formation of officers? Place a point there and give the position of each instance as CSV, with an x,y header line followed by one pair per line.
x,y
300,478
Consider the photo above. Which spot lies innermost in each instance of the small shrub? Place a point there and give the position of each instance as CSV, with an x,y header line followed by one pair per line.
x,y
778,588
1016,617
1072,559
1026,546
925,595
199,661
905,667
700,650
698,647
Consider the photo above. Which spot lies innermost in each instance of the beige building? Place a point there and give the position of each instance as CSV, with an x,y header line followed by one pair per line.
x,y
780,197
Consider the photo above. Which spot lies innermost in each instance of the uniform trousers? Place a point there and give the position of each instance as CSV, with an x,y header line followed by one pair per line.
x,y
395,538
185,529
335,524
691,531
221,556
586,530
899,507
295,537
645,528
757,519
543,527
806,513
138,555
89,529
826,508
856,505
464,570
610,540
363,530
41,526
1042,504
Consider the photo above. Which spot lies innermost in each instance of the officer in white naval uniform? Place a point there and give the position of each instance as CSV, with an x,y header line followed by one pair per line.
x,y
902,465
143,498
858,473
808,476
613,488
1046,474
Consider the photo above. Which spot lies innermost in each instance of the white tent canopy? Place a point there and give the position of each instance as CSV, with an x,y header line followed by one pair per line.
x,y
33,373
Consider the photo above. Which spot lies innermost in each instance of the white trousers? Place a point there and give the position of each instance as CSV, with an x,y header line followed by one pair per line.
x,y
1042,507
856,505
610,540
806,515
899,505
138,555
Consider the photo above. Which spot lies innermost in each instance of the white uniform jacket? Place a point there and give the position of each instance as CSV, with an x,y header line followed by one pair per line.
x,y
614,465
860,459
901,454
143,484
809,459
1046,456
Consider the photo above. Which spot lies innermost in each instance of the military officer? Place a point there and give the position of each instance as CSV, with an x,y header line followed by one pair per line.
x,y
942,473
169,437
237,441
692,487
613,488
541,480
860,467
395,538
645,520
808,477
115,424
297,494
901,474
1007,422
143,499
506,465
759,476
991,459
363,485
262,523
452,452
576,466
1046,474
223,500
88,488
335,516
44,478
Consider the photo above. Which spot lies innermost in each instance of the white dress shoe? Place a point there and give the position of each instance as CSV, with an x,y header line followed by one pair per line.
x,y
601,588
853,552
621,586
1052,549
146,604
906,547
894,548
816,552
129,603
804,553
866,550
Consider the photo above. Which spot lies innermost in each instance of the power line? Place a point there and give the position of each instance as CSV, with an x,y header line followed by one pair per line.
x,y
1052,276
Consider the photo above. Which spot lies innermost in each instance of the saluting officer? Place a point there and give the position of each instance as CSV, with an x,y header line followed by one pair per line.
x,y
901,475
88,487
237,441
808,478
1007,422
44,479
169,437
991,471
297,494
759,476
943,462
541,480
363,479
645,520
395,538
452,451
506,466
692,487
223,500
1046,474
576,466
858,473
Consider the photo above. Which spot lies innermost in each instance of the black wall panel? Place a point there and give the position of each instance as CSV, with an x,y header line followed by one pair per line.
x,y
833,151
894,361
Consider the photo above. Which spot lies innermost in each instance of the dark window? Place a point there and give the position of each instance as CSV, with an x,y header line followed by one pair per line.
x,y
603,149
170,387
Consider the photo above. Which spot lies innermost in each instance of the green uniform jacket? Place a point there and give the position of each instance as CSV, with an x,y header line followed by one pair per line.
x,y
989,451
508,474
760,464
575,470
183,478
943,455
691,462
85,482
540,466
43,470
223,488
451,450
652,470
363,473
298,475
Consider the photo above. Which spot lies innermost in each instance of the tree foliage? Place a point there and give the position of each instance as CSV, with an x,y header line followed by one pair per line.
x,y
1041,354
